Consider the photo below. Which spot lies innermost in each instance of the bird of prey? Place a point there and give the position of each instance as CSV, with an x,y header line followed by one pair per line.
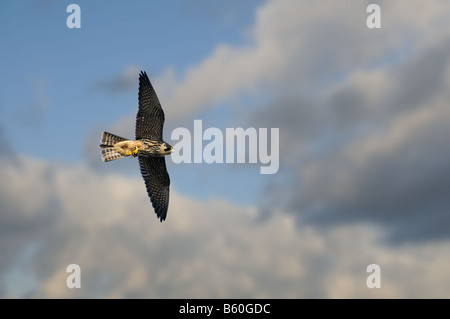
x,y
148,146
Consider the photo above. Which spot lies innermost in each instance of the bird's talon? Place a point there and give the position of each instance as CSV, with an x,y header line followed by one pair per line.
x,y
128,153
135,151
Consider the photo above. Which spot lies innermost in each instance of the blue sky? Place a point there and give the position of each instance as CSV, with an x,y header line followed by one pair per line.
x,y
59,99
363,117
64,64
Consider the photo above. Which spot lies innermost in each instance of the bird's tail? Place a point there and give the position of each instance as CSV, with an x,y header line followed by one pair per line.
x,y
107,145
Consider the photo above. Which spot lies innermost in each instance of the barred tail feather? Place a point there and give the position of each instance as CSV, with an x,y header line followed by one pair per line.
x,y
109,154
109,139
107,145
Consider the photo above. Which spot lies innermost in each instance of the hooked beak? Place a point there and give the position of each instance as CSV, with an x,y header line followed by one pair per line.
x,y
169,149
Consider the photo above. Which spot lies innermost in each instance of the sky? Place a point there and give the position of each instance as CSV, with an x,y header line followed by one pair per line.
x,y
364,160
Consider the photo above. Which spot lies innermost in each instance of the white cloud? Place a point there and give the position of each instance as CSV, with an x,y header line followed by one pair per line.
x,y
205,249
55,214
360,111
296,48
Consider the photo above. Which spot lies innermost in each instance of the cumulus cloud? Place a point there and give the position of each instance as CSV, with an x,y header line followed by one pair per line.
x,y
296,48
363,137
361,112
372,147
205,249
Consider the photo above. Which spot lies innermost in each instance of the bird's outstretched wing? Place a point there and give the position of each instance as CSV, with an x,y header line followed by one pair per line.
x,y
150,116
157,181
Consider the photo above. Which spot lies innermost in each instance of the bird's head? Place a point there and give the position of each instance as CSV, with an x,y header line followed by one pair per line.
x,y
166,149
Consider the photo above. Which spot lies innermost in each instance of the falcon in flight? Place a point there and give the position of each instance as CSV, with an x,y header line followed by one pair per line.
x,y
148,146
